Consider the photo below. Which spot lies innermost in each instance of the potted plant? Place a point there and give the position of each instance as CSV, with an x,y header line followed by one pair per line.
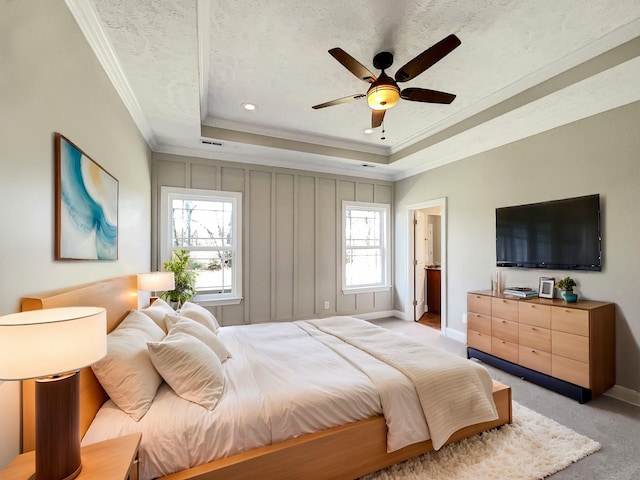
x,y
566,286
185,278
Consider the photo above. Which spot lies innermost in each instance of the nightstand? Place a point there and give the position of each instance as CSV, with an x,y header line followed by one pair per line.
x,y
115,459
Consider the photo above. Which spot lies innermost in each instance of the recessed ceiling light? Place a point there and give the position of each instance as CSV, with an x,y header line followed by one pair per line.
x,y
249,106
368,130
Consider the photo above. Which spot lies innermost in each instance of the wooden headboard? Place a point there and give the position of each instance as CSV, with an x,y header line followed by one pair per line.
x,y
118,296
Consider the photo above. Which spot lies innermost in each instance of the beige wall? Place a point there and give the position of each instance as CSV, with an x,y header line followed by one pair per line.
x,y
50,81
596,155
292,236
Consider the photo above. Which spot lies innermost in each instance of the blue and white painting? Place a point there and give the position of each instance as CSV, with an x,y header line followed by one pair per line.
x,y
87,206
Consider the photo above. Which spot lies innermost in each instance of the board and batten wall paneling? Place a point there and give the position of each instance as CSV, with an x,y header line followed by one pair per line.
x,y
305,269
257,263
292,230
284,247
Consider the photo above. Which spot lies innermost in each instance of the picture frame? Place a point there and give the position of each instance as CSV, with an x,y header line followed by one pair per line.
x,y
86,206
546,287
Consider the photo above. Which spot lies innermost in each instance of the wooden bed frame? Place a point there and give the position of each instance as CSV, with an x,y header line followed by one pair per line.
x,y
347,451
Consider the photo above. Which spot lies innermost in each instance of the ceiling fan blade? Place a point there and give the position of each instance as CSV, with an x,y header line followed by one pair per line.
x,y
426,59
425,95
376,118
338,101
353,65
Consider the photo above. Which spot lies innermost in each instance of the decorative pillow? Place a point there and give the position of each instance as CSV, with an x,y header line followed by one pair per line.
x,y
177,324
200,314
157,310
126,372
190,368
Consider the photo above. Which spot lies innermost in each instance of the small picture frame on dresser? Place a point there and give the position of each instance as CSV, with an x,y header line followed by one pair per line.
x,y
546,287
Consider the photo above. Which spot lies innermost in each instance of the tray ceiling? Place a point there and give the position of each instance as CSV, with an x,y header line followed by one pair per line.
x,y
184,69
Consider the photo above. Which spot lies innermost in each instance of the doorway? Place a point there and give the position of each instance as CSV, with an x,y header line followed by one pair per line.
x,y
427,262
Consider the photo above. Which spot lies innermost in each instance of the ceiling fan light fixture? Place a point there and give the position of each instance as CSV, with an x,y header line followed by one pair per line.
x,y
382,97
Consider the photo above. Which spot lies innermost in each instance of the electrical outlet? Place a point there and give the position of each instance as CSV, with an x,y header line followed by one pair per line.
x,y
326,304
464,318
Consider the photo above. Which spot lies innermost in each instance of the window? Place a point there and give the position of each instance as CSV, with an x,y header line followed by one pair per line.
x,y
365,247
206,223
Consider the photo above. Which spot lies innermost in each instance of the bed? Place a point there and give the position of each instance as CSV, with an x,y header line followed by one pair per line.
x,y
346,450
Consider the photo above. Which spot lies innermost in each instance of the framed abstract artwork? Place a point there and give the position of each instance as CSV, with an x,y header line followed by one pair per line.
x,y
86,206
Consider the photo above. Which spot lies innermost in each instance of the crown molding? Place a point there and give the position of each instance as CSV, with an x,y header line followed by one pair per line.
x,y
91,27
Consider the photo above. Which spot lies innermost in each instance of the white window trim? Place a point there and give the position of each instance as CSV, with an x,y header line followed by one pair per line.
x,y
165,247
386,238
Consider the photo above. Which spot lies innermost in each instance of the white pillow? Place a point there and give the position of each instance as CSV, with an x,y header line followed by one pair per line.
x,y
177,324
190,368
200,314
157,310
126,372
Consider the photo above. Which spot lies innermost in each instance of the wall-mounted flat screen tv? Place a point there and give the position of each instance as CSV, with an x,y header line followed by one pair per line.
x,y
559,234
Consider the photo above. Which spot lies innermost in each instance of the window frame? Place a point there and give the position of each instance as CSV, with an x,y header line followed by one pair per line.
x,y
385,236
165,244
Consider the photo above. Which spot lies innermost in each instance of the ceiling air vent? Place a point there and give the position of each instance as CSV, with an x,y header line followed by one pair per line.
x,y
211,142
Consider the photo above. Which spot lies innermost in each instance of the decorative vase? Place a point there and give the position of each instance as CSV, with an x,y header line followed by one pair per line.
x,y
569,296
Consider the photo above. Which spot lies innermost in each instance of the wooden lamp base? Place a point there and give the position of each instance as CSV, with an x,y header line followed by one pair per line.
x,y
58,427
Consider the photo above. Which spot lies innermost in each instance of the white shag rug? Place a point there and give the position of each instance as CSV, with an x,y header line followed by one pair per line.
x,y
532,447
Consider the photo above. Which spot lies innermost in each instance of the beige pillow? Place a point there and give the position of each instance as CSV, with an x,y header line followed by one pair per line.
x,y
189,367
200,314
126,372
177,324
157,310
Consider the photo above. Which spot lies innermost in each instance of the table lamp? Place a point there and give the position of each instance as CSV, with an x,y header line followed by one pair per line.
x,y
51,345
155,282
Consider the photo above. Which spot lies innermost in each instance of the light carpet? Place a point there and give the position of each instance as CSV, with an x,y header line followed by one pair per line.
x,y
532,447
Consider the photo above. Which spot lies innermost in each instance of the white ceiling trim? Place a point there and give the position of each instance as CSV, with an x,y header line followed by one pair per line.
x,y
272,157
88,21
298,137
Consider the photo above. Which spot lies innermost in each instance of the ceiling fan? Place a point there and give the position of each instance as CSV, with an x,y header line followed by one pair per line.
x,y
384,92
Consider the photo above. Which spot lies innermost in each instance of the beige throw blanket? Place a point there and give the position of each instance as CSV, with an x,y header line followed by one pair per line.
x,y
454,392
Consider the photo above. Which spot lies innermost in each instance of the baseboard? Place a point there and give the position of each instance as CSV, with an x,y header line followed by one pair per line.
x,y
624,394
456,335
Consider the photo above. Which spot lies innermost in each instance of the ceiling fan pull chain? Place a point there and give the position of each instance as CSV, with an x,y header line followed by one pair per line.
x,y
383,137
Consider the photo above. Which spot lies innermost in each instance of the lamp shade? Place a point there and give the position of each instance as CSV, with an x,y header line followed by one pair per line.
x,y
156,281
52,341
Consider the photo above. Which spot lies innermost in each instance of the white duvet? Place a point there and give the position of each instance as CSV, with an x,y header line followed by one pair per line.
x,y
284,380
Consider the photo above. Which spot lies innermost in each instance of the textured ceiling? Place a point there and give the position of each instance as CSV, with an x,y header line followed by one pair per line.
x,y
188,63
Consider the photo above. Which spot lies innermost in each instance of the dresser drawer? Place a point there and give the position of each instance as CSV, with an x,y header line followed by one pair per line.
x,y
570,320
535,337
479,340
570,370
478,303
571,346
504,329
503,349
534,314
535,359
479,323
504,308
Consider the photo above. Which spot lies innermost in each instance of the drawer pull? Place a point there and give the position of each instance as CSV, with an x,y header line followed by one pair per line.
x,y
533,329
502,341
503,321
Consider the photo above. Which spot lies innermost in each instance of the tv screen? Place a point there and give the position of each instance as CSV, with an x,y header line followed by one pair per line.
x,y
560,234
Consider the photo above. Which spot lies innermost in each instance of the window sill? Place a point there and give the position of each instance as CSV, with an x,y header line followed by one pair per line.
x,y
350,291
213,300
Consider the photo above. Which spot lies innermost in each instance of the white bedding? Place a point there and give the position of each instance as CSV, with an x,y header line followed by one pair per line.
x,y
283,380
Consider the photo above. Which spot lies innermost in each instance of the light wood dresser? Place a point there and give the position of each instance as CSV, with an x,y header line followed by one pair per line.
x,y
566,347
